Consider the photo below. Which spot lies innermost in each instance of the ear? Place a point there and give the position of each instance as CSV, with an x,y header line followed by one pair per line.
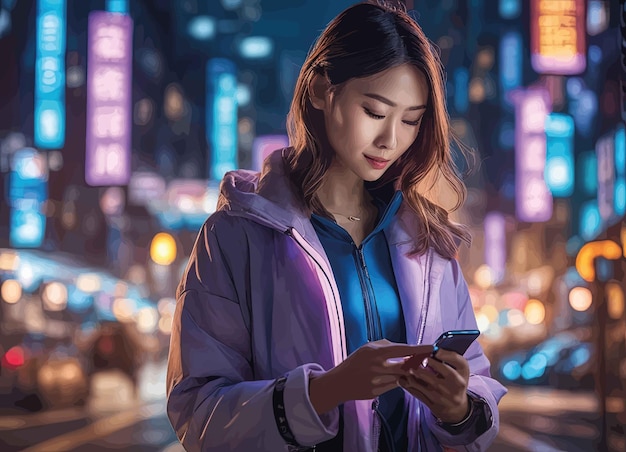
x,y
319,90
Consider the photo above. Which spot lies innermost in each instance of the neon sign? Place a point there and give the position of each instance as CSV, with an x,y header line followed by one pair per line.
x,y
109,112
557,36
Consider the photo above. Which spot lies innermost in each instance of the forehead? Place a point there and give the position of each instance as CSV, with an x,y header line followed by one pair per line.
x,y
405,85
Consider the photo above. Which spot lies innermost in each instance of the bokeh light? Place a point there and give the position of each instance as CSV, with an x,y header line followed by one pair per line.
x,y
580,298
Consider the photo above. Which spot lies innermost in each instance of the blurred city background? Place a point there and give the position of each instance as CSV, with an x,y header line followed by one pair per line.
x,y
118,119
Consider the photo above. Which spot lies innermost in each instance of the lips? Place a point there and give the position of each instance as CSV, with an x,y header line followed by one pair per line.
x,y
376,159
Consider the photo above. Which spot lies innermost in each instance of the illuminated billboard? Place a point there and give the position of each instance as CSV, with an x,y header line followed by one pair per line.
x,y
559,171
50,75
28,190
109,114
533,200
221,116
557,36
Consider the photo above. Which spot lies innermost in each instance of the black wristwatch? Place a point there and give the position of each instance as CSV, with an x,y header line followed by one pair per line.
x,y
479,416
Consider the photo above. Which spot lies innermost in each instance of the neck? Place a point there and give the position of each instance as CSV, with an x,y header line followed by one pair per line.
x,y
342,191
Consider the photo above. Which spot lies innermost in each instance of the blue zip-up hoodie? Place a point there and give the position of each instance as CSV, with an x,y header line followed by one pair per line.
x,y
370,300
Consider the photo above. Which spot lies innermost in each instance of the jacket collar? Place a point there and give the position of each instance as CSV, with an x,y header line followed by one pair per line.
x,y
269,199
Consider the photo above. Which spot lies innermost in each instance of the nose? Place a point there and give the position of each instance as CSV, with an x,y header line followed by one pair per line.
x,y
387,139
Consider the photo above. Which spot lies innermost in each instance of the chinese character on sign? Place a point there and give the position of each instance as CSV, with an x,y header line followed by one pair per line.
x,y
108,83
109,43
108,122
109,160
50,33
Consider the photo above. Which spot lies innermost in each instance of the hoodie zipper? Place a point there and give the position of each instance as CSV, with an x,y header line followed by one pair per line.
x,y
372,332
375,430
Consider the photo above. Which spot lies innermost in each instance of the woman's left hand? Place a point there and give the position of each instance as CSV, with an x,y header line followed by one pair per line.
x,y
441,385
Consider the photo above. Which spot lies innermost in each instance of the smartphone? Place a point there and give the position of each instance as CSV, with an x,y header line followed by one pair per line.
x,y
455,340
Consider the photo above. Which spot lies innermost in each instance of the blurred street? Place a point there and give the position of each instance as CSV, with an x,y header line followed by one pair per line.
x,y
532,419
119,119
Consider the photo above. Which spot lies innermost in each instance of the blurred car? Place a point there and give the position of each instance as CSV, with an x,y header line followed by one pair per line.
x,y
36,375
116,346
62,381
562,361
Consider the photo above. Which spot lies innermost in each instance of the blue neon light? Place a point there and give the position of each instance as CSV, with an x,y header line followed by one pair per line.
x,y
590,220
28,190
509,9
50,75
559,169
221,116
117,6
619,201
587,162
461,94
511,61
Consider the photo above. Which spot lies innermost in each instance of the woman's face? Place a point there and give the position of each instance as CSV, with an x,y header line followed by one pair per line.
x,y
372,121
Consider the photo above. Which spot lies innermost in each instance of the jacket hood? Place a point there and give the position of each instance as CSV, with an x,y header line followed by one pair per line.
x,y
269,199
266,197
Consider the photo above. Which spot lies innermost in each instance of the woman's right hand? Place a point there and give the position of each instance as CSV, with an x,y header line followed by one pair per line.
x,y
365,374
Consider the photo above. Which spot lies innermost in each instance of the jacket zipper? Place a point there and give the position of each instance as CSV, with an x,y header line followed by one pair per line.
x,y
372,334
375,431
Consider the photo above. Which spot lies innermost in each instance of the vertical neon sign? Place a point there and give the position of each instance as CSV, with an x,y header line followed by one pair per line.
x,y
28,190
50,75
221,116
559,171
620,172
511,51
605,153
533,201
495,244
109,75
557,36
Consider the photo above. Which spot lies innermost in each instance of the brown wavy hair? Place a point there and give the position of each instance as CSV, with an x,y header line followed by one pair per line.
x,y
361,41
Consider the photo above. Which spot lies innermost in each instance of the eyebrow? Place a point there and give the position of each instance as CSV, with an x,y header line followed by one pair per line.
x,y
384,100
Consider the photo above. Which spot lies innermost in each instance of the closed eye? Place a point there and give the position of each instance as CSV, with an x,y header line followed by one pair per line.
x,y
373,115
412,123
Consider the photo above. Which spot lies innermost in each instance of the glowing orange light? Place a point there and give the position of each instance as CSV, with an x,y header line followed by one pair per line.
x,y
592,250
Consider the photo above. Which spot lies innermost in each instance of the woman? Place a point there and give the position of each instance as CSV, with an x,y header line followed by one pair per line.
x,y
314,279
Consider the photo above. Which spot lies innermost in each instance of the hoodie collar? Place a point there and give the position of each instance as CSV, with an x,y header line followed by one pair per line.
x,y
268,198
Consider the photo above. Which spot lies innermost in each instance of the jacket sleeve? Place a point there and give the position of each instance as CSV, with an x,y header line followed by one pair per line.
x,y
481,385
214,402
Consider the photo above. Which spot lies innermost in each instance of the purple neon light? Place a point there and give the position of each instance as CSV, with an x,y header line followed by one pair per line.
x,y
264,145
109,76
533,200
495,244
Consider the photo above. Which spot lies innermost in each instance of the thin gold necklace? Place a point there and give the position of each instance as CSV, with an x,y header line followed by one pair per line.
x,y
352,218
349,217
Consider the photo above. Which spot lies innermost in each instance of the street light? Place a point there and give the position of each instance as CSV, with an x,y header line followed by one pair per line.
x,y
163,249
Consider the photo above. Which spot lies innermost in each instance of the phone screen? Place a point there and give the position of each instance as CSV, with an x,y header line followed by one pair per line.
x,y
456,340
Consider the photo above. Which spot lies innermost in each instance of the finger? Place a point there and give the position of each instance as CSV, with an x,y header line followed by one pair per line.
x,y
452,360
401,350
417,390
429,380
390,369
384,380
